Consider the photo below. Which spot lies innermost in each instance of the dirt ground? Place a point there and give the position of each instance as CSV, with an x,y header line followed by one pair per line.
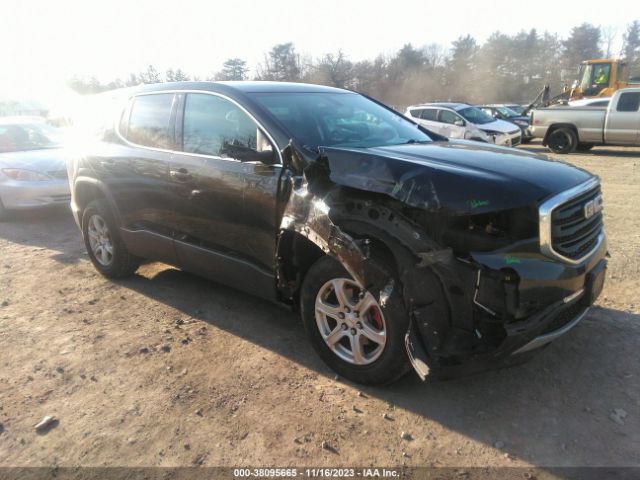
x,y
168,369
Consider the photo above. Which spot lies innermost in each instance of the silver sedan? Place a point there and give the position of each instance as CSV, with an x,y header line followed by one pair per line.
x,y
33,172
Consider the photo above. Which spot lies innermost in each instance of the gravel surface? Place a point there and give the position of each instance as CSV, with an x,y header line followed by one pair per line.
x,y
168,369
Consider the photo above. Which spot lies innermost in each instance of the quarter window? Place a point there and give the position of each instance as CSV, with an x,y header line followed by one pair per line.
x,y
215,126
628,102
150,121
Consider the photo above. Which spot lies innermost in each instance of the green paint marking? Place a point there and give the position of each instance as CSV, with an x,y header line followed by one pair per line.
x,y
479,203
509,260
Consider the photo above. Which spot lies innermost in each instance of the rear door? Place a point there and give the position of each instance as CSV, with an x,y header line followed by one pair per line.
x,y
429,118
136,174
623,120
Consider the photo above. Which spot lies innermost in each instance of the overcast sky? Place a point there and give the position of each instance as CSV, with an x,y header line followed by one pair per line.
x,y
49,41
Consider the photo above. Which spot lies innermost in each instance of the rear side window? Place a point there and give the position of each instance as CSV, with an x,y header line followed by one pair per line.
x,y
416,113
429,114
629,102
150,121
215,126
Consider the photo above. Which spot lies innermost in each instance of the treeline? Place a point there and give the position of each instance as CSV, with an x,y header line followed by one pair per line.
x,y
509,68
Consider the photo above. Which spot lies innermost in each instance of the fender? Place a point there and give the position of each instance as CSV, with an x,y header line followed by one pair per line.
x,y
94,182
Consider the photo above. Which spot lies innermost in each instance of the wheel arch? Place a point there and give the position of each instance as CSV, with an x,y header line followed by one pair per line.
x,y
552,128
87,189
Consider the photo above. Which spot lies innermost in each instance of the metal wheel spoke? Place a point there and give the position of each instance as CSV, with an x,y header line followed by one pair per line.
x,y
326,309
104,255
95,221
366,303
356,349
373,335
341,295
109,248
92,233
335,336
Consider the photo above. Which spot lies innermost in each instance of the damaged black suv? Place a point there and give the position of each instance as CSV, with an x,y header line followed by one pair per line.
x,y
399,247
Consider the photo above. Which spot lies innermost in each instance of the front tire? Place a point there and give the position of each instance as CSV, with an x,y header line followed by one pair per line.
x,y
104,246
562,140
358,335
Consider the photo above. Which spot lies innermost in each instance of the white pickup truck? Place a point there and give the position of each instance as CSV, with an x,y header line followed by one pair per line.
x,y
566,129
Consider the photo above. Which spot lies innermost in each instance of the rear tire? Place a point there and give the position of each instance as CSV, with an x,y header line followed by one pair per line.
x,y
378,362
104,245
562,140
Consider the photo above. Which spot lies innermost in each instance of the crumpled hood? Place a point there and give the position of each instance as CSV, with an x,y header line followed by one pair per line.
x,y
45,160
459,177
497,126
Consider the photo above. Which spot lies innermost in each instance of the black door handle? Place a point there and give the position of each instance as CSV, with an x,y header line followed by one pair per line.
x,y
181,175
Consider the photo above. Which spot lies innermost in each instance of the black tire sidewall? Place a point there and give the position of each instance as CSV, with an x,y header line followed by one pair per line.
x,y
569,134
393,362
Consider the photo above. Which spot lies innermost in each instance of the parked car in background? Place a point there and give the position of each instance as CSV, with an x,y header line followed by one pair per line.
x,y
501,112
33,172
397,246
566,129
516,107
460,120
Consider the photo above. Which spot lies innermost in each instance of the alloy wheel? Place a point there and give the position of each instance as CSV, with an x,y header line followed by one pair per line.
x,y
350,321
100,240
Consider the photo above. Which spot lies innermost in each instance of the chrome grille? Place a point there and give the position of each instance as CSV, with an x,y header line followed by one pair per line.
x,y
573,234
571,225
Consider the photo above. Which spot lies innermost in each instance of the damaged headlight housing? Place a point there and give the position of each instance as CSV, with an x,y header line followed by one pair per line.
x,y
484,232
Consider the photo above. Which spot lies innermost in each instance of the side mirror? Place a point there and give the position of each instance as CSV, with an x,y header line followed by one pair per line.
x,y
245,154
459,123
267,157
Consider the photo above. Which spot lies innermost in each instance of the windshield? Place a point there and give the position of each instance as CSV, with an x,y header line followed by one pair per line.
x,y
475,115
518,109
584,76
339,120
507,112
17,137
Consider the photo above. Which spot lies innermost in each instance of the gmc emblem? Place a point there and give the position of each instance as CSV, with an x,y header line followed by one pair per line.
x,y
592,207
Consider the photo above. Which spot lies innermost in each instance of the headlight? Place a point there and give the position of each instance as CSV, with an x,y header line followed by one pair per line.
x,y
22,175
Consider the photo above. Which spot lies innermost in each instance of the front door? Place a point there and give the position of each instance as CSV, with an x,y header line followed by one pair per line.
x,y
449,126
623,120
214,179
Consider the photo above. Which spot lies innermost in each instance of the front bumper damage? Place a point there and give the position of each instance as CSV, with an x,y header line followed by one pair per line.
x,y
466,314
522,322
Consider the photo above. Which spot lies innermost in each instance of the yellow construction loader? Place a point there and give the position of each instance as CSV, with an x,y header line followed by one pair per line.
x,y
596,78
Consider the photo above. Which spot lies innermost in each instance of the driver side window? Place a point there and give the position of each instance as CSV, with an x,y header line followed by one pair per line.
x,y
448,117
215,126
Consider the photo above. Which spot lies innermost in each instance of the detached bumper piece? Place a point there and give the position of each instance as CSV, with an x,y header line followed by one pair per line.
x,y
547,338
